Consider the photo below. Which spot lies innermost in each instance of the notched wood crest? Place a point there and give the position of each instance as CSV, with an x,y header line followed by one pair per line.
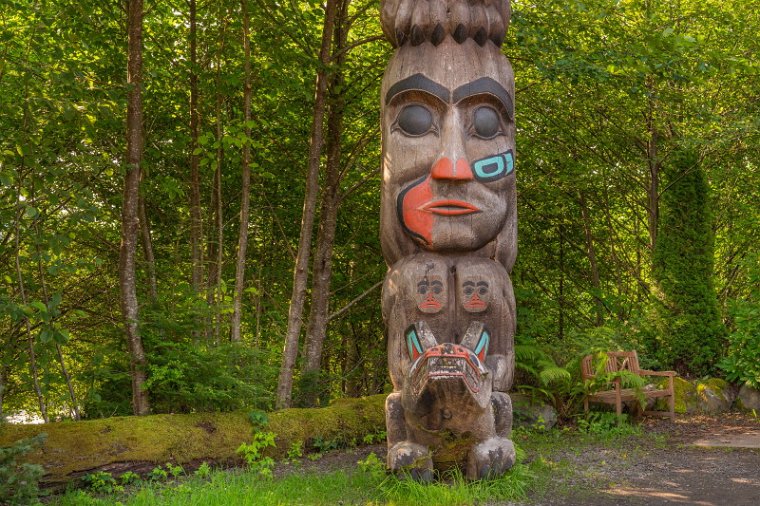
x,y
418,21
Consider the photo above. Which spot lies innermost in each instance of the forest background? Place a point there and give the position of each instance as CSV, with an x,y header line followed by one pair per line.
x,y
201,232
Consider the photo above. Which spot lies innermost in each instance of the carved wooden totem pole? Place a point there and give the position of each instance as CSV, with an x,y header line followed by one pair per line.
x,y
448,233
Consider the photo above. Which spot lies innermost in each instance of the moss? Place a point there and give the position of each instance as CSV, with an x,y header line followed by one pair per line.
x,y
75,447
686,396
717,385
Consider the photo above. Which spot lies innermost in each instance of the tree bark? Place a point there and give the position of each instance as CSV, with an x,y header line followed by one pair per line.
x,y
147,245
74,408
216,251
591,253
653,166
300,272
129,213
196,221
322,267
245,199
30,338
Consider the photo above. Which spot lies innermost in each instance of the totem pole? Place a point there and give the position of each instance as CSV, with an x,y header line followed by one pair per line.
x,y
448,233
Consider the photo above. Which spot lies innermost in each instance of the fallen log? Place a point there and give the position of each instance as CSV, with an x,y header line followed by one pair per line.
x,y
139,443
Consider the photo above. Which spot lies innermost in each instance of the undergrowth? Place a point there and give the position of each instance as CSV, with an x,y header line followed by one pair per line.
x,y
367,485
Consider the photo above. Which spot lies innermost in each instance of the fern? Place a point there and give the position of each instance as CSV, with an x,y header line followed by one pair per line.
x,y
552,374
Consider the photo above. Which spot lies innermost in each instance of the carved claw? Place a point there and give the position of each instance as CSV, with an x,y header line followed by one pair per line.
x,y
413,459
490,458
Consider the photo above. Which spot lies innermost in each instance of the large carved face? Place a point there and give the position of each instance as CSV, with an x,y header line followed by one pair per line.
x,y
448,147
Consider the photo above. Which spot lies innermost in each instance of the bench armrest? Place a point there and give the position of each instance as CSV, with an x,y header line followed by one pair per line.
x,y
645,372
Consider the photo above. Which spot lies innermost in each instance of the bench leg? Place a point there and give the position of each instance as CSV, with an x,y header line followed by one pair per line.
x,y
619,407
585,404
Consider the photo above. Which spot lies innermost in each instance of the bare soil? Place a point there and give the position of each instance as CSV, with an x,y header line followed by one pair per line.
x,y
669,469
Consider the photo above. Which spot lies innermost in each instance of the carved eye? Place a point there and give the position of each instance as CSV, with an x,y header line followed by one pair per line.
x,y
486,122
415,120
437,287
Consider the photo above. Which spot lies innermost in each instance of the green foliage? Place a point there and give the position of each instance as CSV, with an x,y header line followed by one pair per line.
x,y
175,470
606,425
742,361
322,445
102,482
226,377
452,488
253,453
158,474
295,451
19,482
203,471
129,478
258,418
374,438
320,489
691,332
372,465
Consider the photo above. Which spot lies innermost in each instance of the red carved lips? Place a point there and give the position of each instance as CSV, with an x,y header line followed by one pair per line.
x,y
450,207
430,303
475,303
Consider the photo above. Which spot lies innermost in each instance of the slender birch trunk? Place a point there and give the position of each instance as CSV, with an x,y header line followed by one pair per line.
x,y
300,272
246,184
129,214
196,220
322,266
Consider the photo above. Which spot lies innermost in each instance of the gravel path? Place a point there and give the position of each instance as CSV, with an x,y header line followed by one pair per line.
x,y
667,469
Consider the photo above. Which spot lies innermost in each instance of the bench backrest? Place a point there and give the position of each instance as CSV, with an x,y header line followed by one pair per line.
x,y
616,361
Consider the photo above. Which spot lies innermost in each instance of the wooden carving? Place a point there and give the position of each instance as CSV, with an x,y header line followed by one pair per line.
x,y
448,234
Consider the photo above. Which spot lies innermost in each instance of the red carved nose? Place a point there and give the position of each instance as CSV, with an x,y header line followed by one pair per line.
x,y
444,168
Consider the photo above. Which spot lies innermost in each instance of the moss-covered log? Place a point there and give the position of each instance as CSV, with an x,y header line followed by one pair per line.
x,y
121,443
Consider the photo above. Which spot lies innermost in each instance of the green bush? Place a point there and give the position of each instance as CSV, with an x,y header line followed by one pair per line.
x,y
102,482
19,482
742,361
225,377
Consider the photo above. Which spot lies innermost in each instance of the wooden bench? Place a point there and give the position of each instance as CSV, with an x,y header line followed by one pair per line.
x,y
627,361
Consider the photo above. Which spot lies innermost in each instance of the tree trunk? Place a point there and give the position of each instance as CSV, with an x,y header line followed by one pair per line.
x,y
29,336
196,221
129,212
216,251
300,273
561,295
64,371
237,302
322,266
653,165
591,253
147,245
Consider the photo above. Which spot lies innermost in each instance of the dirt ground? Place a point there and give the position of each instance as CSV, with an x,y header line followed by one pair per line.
x,y
702,460
671,464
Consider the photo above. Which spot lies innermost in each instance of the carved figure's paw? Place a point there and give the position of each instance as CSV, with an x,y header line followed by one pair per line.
x,y
502,413
411,458
490,458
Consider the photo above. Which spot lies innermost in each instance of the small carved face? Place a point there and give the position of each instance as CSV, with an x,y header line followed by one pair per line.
x,y
474,295
448,135
431,294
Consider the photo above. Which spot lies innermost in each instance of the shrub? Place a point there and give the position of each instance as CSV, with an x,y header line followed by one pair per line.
x,y
101,482
253,453
19,482
742,361
224,377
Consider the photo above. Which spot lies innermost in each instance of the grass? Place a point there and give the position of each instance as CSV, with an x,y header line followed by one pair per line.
x,y
356,487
